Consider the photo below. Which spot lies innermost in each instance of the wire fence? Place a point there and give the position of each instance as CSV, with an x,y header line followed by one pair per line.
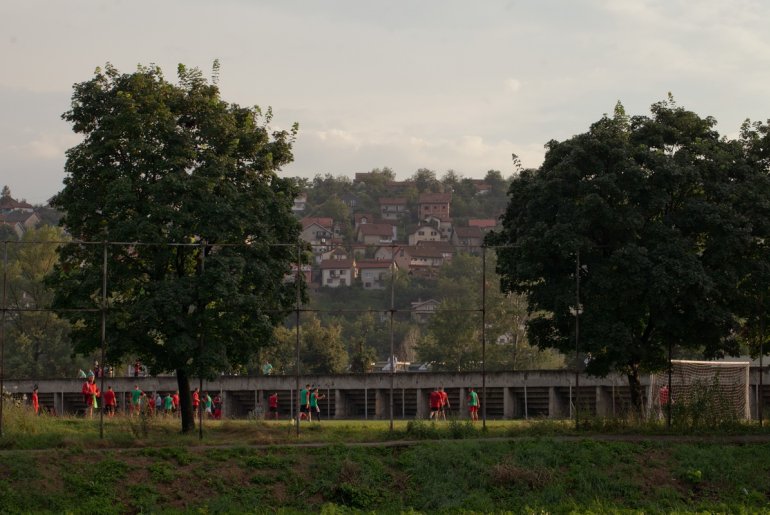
x,y
314,268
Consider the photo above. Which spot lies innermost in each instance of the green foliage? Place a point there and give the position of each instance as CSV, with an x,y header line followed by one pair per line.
x,y
322,350
540,474
38,343
162,472
706,407
174,163
666,216
178,455
421,430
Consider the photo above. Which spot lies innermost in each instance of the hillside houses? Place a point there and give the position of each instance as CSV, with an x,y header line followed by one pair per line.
x,y
375,234
393,208
16,216
406,232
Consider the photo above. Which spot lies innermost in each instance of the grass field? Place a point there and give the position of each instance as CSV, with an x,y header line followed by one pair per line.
x,y
61,465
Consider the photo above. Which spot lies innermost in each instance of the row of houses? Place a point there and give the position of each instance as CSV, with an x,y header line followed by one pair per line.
x,y
18,215
376,250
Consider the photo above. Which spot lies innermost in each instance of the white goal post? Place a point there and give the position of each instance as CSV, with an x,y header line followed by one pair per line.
x,y
721,387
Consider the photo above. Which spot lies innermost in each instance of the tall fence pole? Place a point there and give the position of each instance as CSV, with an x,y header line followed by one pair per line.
x,y
201,343
392,347
104,335
483,337
670,391
761,358
2,332
577,340
298,301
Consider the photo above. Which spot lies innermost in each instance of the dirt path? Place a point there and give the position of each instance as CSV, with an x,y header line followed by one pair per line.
x,y
631,438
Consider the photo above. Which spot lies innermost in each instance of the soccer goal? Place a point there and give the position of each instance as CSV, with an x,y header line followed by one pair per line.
x,y
713,390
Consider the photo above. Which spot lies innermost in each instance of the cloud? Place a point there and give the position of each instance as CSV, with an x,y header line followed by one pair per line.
x,y
513,85
43,146
342,152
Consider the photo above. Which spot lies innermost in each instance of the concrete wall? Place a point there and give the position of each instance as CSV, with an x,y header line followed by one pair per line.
x,y
526,394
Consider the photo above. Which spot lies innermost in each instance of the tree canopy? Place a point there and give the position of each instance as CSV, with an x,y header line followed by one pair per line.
x,y
664,214
38,341
193,181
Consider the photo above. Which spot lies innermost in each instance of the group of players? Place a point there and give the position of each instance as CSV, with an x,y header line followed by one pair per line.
x,y
439,404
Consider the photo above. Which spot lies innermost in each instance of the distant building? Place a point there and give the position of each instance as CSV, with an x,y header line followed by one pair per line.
x,y
398,253
362,218
422,310
300,203
350,200
434,204
393,208
319,233
485,224
425,260
19,221
424,233
375,274
374,234
337,272
469,239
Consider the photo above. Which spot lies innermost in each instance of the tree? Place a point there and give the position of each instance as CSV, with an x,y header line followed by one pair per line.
x,y
167,163
426,181
656,208
453,340
38,340
755,302
321,347
358,334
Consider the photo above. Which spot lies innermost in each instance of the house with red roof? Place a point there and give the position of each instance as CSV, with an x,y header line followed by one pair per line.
x,y
424,233
469,239
434,204
337,272
485,224
375,274
374,234
398,253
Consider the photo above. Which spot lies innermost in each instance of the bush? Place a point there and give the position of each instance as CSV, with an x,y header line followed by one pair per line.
x,y
421,430
705,407
459,430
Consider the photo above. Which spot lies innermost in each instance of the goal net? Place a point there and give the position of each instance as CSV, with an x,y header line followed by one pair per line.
x,y
709,391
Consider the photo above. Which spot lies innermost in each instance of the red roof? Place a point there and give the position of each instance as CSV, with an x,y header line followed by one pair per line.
x,y
10,203
324,222
337,264
484,223
376,230
373,263
469,232
435,198
358,216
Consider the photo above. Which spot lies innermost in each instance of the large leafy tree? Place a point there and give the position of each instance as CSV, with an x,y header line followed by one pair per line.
x,y
38,340
193,181
755,285
659,209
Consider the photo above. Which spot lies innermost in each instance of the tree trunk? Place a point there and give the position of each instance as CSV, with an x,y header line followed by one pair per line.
x,y
635,387
185,401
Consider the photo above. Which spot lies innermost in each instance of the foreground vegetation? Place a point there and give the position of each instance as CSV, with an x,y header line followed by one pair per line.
x,y
61,465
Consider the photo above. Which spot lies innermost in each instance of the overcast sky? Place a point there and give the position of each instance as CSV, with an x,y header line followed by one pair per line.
x,y
437,84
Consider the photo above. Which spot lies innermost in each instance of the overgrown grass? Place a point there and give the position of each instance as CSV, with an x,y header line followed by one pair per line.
x,y
23,430
453,466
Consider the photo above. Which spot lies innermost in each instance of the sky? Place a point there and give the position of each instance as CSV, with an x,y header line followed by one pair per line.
x,y
437,84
